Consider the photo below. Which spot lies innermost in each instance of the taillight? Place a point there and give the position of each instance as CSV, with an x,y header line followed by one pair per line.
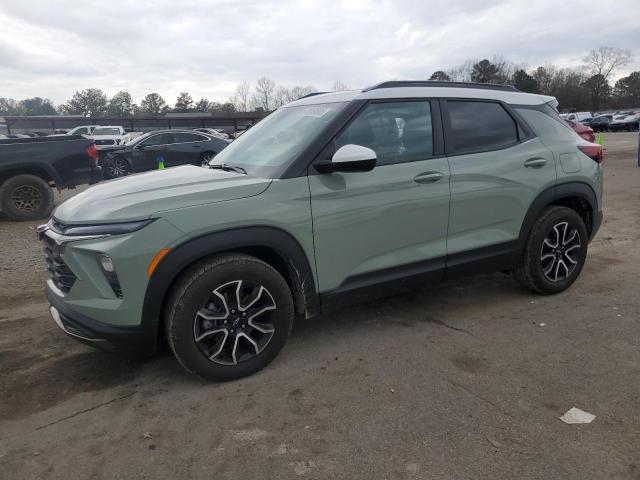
x,y
593,151
92,151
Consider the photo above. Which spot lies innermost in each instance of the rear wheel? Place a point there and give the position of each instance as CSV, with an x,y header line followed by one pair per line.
x,y
228,317
116,167
26,197
555,252
206,157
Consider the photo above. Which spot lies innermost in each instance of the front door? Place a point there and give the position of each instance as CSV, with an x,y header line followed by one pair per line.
x,y
371,227
146,153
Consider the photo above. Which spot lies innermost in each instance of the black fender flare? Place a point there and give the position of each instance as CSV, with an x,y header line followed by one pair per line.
x,y
551,195
282,243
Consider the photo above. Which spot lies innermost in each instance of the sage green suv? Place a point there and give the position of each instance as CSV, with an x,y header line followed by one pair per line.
x,y
333,199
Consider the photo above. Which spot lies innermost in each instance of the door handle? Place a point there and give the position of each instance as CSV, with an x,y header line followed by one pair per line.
x,y
428,177
536,162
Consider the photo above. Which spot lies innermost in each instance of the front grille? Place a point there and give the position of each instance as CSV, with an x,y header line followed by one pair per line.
x,y
105,142
59,273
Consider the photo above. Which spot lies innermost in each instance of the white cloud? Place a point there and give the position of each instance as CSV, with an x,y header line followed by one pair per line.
x,y
207,47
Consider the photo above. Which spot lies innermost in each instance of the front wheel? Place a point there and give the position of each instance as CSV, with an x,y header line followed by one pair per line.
x,y
26,197
555,252
228,317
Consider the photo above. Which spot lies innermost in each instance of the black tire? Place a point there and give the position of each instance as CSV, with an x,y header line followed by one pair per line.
x,y
206,157
536,272
26,197
115,167
200,289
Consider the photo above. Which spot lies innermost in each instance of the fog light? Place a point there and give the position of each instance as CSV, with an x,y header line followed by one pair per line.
x,y
106,263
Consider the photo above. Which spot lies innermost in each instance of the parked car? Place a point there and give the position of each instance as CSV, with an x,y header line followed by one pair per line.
x,y
582,130
600,123
176,147
81,130
578,116
29,167
18,135
109,135
215,132
625,122
331,200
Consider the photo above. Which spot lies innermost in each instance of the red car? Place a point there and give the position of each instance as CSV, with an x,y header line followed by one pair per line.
x,y
582,130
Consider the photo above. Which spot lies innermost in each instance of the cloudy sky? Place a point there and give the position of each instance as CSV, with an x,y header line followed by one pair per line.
x,y
52,48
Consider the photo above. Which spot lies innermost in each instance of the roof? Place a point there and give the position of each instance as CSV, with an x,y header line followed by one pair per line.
x,y
420,89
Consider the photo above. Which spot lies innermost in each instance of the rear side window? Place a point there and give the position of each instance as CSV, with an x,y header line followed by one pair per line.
x,y
396,131
479,126
187,137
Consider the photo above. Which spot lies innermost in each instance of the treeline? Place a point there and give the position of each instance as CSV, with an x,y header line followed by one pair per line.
x,y
585,88
93,102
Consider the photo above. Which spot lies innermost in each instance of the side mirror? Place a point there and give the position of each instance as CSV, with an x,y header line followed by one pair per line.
x,y
139,147
349,158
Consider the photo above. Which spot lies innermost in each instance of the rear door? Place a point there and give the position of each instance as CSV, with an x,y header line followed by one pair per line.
x,y
186,148
391,222
498,167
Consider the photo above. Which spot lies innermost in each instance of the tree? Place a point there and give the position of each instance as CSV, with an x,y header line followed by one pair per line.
x,y
184,103
91,102
524,82
121,105
153,104
544,78
440,76
484,72
605,61
339,86
263,96
627,89
228,108
202,105
598,90
242,97
8,106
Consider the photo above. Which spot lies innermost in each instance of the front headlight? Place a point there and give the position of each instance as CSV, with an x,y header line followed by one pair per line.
x,y
109,271
105,228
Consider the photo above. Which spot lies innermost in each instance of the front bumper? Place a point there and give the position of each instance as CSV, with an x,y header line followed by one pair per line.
x,y
130,339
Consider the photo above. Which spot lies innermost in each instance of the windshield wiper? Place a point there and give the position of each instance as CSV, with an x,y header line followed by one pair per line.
x,y
228,168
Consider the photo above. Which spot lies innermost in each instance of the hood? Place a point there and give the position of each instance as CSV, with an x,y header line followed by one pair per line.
x,y
142,195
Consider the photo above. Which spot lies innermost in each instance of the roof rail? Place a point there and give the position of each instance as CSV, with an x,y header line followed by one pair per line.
x,y
436,83
312,94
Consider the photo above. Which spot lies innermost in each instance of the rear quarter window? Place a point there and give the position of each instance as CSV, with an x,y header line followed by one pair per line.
x,y
546,126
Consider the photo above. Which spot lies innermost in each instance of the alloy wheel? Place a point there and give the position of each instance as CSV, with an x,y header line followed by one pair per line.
x,y
117,168
234,324
560,249
26,197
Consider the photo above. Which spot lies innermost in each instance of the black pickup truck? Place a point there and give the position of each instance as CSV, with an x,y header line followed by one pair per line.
x,y
30,167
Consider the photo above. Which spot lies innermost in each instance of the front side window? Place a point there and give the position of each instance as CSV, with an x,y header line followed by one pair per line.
x,y
480,126
159,139
396,131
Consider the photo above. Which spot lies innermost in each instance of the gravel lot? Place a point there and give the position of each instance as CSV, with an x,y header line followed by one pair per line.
x,y
457,382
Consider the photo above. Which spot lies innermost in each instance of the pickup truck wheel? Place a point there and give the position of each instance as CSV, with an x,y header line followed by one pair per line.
x,y
26,197
228,317
115,167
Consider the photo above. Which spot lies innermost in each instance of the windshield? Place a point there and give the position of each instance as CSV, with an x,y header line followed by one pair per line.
x,y
269,147
106,131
